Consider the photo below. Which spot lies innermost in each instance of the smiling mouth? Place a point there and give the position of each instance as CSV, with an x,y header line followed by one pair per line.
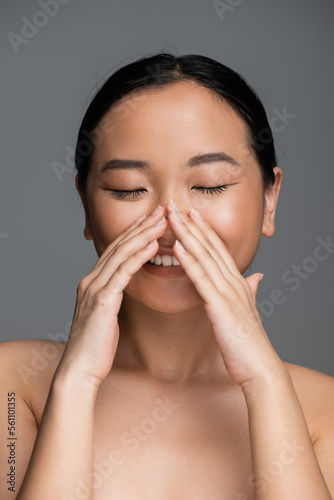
x,y
163,260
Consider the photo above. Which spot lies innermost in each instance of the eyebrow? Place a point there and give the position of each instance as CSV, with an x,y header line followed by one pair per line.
x,y
195,161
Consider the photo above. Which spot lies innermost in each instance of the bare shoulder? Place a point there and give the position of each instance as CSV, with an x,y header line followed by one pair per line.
x,y
310,383
33,352
30,364
26,371
315,391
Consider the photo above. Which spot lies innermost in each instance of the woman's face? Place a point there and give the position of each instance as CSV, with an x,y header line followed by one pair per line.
x,y
166,128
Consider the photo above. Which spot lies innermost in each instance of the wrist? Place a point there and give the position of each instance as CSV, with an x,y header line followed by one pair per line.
x,y
269,381
70,382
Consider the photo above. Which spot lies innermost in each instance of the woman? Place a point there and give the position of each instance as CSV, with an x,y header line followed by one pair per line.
x,y
168,386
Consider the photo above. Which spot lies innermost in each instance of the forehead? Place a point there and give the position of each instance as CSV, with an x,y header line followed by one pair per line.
x,y
181,119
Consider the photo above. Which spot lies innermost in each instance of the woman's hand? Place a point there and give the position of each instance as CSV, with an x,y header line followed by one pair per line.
x,y
229,298
94,334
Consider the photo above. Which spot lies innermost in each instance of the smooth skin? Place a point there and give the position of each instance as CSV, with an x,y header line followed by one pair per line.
x,y
170,387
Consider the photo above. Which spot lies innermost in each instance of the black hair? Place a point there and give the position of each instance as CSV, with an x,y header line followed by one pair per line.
x,y
163,69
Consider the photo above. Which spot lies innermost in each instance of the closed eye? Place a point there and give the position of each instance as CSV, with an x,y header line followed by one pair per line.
x,y
212,190
123,193
205,190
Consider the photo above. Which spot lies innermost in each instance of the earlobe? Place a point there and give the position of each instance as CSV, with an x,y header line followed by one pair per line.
x,y
270,202
87,230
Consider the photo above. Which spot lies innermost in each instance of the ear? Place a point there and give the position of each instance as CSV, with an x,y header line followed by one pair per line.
x,y
270,202
87,230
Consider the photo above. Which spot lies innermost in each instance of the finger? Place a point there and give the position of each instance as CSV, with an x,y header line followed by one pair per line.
x,y
140,224
253,282
129,249
204,253
215,241
211,240
204,285
120,237
249,285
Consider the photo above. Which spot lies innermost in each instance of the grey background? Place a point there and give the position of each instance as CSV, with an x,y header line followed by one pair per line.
x,y
284,48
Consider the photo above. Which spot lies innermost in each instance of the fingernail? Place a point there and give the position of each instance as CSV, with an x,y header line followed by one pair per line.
x,y
157,210
197,214
175,205
180,246
138,221
176,216
160,221
261,278
151,244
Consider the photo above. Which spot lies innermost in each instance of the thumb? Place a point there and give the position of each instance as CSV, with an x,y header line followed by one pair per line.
x,y
254,281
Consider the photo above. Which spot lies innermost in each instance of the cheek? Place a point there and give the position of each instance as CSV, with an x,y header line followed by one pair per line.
x,y
107,225
239,226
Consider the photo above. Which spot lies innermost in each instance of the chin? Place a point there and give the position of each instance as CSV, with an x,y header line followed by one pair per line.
x,y
175,308
166,300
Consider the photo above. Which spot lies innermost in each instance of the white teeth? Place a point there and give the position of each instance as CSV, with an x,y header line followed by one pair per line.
x,y
164,260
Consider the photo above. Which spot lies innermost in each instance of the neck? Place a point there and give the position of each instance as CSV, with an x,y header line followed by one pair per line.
x,y
168,346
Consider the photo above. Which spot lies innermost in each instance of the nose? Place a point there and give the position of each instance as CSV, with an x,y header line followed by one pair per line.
x,y
178,206
173,205
168,238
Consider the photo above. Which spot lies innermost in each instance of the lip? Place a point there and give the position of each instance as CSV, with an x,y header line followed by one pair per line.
x,y
165,251
165,271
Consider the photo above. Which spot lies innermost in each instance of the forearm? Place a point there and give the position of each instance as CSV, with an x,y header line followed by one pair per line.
x,y
62,458
283,459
